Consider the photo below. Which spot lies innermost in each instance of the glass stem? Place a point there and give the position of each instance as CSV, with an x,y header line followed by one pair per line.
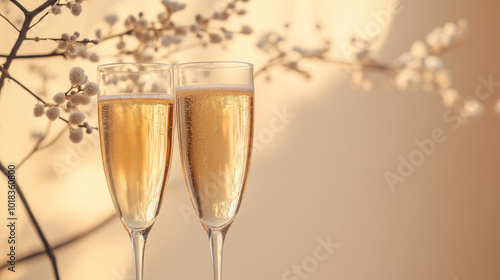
x,y
138,244
216,237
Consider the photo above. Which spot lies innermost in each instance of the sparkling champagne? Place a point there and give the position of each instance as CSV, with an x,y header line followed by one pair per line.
x,y
136,141
215,144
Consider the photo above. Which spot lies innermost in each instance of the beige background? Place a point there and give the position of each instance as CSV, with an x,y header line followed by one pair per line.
x,y
321,177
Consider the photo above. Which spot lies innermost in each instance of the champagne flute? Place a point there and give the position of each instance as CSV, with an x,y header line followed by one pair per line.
x,y
214,103
135,127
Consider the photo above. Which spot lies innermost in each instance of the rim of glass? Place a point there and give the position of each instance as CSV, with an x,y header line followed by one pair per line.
x,y
213,65
120,67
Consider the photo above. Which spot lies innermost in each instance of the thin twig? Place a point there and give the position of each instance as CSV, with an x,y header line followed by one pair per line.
x,y
39,20
39,147
28,90
41,100
48,249
52,54
20,38
10,22
53,141
42,7
88,41
75,238
36,146
28,17
128,32
269,64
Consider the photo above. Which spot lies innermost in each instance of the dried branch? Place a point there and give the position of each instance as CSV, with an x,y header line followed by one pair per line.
x,y
27,89
48,249
36,146
41,100
42,7
270,63
53,141
39,20
72,239
52,54
10,22
22,33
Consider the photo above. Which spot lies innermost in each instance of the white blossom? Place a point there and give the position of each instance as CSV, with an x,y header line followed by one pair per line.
x,y
98,33
419,49
447,40
76,135
142,23
450,97
359,55
228,35
173,6
433,40
217,15
77,76
80,99
82,52
180,31
443,78
39,110
194,27
433,63
59,98
407,78
111,19
55,10
94,57
92,89
120,45
405,58
308,52
76,117
472,109
76,9
167,40
450,28
52,113
214,38
245,29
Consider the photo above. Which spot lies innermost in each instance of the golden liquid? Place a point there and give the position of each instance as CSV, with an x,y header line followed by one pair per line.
x,y
215,135
136,143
